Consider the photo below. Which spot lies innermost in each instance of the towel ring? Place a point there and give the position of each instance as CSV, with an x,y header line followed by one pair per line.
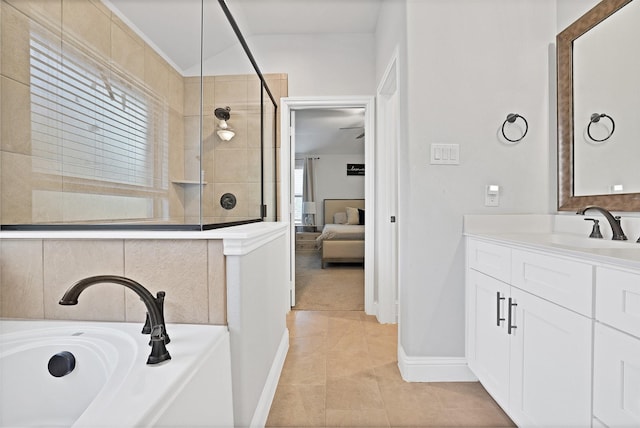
x,y
595,118
511,117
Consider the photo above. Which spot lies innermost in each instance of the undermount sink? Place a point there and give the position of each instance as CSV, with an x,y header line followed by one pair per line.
x,y
577,242
573,242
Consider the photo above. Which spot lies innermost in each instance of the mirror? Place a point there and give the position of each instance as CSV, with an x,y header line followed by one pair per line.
x,y
583,163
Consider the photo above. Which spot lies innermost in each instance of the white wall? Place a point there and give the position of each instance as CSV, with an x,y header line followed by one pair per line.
x,y
470,63
332,181
320,65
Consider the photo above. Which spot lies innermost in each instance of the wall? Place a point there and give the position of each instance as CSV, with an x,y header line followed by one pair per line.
x,y
318,65
257,304
468,67
37,272
332,181
229,166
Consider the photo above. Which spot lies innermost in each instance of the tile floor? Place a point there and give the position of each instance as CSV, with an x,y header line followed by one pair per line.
x,y
341,370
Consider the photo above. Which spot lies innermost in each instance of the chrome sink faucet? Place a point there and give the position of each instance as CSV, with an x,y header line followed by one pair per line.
x,y
614,222
154,305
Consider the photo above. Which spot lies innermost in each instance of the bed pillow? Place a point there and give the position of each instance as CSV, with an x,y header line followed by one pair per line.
x,y
340,218
352,216
360,216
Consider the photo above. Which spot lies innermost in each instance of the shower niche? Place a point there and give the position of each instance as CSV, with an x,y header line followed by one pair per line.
x,y
112,118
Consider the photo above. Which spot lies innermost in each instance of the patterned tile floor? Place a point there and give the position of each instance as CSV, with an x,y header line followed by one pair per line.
x,y
341,370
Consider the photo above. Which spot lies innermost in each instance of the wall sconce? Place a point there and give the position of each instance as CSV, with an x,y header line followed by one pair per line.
x,y
224,131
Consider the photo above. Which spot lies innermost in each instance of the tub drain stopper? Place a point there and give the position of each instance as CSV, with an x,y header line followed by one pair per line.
x,y
62,364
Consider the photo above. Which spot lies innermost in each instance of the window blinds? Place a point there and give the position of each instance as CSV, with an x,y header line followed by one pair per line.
x,y
91,122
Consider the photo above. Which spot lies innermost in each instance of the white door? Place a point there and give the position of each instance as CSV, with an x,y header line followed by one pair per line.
x,y
616,378
550,375
387,234
292,221
489,342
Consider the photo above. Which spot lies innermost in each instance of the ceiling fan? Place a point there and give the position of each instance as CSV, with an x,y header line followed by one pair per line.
x,y
356,127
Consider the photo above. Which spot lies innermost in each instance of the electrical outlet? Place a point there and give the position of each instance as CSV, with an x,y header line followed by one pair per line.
x,y
492,195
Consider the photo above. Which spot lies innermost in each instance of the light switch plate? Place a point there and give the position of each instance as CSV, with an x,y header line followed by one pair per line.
x,y
445,154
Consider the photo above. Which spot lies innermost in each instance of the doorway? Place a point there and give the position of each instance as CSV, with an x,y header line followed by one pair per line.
x,y
290,106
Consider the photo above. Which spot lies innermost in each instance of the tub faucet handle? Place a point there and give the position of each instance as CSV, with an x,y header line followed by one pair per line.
x,y
146,329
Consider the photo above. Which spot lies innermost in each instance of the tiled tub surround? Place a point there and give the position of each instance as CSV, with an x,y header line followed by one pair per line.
x,y
36,272
31,197
236,276
573,300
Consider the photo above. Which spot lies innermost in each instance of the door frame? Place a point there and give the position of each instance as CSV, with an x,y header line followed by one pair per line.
x,y
387,248
287,162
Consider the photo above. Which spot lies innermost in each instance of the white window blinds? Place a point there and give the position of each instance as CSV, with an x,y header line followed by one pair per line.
x,y
93,123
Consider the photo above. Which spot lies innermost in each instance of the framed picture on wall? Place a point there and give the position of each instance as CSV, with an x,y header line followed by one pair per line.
x,y
355,169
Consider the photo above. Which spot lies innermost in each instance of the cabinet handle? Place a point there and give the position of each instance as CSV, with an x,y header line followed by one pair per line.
x,y
498,317
509,325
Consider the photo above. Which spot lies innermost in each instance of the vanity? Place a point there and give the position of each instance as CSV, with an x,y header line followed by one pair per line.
x,y
553,320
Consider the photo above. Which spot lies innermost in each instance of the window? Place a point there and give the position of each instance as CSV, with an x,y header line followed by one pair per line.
x,y
93,124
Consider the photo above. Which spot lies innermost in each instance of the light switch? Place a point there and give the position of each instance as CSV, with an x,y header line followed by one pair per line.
x,y
445,154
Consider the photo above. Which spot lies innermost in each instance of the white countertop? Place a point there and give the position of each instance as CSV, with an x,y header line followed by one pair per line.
x,y
244,231
553,236
237,240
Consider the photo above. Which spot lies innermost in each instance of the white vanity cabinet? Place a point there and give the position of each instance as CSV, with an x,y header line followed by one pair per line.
x,y
616,398
528,349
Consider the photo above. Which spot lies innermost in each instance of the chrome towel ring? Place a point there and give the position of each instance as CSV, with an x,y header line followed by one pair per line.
x,y
595,118
511,118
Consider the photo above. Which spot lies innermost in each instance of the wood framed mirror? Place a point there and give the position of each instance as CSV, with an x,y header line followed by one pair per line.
x,y
567,199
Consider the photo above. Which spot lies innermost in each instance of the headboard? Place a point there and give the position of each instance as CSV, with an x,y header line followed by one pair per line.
x,y
332,206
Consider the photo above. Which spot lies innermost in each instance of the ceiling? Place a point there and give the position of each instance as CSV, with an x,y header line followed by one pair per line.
x,y
318,131
172,27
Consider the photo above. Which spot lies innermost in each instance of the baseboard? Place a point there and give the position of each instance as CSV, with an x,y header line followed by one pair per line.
x,y
261,413
434,369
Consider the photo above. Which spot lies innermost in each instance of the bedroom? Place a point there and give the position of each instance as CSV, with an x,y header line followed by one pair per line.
x,y
329,178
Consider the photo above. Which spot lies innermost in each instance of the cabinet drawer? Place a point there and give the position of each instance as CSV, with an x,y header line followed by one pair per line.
x,y
618,299
306,245
565,282
490,259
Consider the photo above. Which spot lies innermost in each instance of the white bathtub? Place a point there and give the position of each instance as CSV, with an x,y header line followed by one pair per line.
x,y
111,385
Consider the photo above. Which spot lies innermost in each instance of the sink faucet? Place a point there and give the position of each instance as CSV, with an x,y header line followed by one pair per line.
x,y
614,222
159,336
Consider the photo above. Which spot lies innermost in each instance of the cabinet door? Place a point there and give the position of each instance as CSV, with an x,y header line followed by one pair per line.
x,y
616,383
550,377
489,343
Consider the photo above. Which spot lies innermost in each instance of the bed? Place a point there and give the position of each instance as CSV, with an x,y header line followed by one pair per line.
x,y
341,243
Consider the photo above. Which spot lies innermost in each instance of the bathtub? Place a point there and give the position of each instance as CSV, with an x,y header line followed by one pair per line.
x,y
111,384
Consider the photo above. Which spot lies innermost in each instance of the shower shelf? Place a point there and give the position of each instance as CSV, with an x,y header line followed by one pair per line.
x,y
188,182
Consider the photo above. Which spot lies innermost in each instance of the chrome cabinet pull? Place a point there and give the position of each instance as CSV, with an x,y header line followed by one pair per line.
x,y
510,327
498,317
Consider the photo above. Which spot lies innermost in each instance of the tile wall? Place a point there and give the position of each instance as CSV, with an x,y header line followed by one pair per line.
x,y
35,273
